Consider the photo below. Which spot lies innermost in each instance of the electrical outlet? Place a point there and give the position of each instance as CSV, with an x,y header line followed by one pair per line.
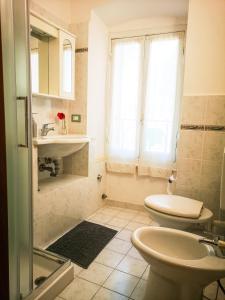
x,y
75,118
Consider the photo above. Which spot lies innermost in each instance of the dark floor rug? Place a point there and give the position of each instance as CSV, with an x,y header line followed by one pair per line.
x,y
83,243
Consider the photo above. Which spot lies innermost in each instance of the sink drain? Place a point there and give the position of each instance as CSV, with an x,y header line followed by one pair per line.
x,y
40,280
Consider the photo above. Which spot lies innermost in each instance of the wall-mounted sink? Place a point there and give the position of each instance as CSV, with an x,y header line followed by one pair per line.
x,y
59,145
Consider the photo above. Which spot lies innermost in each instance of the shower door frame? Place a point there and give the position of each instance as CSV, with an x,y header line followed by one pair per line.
x,y
16,153
4,247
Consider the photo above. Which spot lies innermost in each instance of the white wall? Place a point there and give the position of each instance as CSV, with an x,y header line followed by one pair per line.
x,y
205,50
58,11
81,9
97,69
155,23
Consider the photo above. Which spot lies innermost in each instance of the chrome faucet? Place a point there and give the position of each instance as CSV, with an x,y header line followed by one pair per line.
x,y
217,244
45,129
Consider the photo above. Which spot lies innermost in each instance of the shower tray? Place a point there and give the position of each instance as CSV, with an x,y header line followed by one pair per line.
x,y
51,274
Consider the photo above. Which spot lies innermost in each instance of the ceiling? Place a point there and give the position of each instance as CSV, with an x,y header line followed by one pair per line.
x,y
119,11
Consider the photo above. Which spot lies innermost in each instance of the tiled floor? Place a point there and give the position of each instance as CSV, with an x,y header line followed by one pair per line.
x,y
119,272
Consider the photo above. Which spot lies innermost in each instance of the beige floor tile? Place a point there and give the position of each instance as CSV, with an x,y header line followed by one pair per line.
x,y
220,295
118,222
113,227
104,294
119,246
100,218
139,291
121,282
77,269
109,258
128,210
140,218
79,289
211,290
133,225
126,215
145,275
134,253
109,211
96,273
132,266
124,235
144,213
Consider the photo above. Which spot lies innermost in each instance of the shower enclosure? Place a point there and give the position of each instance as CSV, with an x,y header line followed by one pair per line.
x,y
30,270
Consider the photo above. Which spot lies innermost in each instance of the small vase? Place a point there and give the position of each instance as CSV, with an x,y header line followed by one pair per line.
x,y
64,127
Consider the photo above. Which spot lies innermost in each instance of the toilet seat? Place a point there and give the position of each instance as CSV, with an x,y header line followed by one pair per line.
x,y
175,205
167,219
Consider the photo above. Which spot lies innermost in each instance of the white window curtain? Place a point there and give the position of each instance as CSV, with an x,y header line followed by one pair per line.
x,y
125,105
161,99
144,100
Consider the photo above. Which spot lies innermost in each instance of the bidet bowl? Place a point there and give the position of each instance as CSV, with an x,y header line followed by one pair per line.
x,y
178,262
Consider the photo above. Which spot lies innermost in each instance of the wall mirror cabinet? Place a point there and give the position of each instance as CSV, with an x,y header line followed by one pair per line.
x,y
52,51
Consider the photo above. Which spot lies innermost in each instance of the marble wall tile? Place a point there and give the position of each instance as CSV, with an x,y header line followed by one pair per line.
x,y
193,110
187,190
214,144
77,163
190,144
61,207
211,199
189,172
200,152
211,175
215,112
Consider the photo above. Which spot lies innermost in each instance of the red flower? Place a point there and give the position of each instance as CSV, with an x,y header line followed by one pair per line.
x,y
61,116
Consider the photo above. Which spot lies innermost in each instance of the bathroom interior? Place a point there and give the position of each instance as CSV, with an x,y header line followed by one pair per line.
x,y
115,149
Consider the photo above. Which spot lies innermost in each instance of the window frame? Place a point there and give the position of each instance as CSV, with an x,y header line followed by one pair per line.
x,y
176,29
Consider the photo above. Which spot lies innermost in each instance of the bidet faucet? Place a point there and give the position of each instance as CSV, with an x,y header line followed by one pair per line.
x,y
218,245
45,129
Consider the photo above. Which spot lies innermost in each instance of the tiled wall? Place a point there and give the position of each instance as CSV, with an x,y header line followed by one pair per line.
x,y
200,149
57,209
81,74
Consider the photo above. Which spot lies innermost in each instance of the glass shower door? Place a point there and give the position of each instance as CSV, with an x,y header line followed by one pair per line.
x,y
15,34
23,96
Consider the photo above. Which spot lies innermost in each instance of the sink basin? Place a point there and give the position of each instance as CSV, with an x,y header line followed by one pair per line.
x,y
59,145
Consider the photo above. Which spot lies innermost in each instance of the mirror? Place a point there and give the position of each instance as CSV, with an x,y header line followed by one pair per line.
x,y
39,63
67,67
52,60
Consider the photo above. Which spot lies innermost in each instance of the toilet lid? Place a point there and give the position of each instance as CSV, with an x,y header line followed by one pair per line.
x,y
175,205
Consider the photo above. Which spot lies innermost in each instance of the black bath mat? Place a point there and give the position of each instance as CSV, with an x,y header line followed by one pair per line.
x,y
83,243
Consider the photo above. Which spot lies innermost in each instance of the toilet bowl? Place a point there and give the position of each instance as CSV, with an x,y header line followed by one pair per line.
x,y
180,266
177,212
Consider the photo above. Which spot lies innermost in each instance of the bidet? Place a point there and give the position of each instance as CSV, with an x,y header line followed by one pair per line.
x,y
180,266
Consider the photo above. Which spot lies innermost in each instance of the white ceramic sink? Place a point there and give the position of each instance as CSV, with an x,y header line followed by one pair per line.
x,y
59,145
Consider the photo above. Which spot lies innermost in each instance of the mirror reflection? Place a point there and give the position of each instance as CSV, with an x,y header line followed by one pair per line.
x,y
67,66
39,44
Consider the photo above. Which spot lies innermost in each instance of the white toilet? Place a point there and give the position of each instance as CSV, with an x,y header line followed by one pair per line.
x,y
177,212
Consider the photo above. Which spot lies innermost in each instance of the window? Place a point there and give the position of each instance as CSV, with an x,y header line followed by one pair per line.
x,y
144,99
